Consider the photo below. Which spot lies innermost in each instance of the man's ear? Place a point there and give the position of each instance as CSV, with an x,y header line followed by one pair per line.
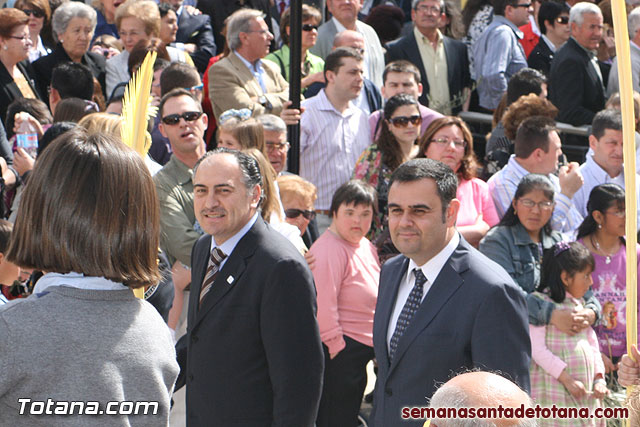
x,y
161,129
420,87
255,197
593,141
452,212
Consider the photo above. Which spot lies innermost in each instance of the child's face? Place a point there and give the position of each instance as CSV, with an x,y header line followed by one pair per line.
x,y
578,284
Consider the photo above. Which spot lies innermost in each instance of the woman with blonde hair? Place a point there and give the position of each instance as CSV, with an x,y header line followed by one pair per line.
x,y
112,124
136,20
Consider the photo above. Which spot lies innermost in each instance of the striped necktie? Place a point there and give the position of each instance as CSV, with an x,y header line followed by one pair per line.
x,y
410,307
212,271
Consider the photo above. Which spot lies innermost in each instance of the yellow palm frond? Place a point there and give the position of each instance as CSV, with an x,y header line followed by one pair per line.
x,y
137,108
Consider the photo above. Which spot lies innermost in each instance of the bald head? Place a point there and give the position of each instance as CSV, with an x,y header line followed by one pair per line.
x,y
349,38
480,389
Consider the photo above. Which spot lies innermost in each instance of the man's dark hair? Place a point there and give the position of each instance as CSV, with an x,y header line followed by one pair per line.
x,y
354,192
164,8
178,75
35,107
549,11
72,80
500,5
533,133
174,94
401,66
524,82
418,169
333,62
606,119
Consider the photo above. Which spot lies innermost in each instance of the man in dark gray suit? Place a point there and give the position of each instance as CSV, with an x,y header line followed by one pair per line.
x,y
252,354
443,307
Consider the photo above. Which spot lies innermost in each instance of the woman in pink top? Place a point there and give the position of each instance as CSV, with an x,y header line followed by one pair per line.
x,y
449,140
346,273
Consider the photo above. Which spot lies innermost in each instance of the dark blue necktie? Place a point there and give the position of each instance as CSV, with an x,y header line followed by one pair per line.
x,y
410,307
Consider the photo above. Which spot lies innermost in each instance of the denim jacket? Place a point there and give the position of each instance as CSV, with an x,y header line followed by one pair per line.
x,y
513,249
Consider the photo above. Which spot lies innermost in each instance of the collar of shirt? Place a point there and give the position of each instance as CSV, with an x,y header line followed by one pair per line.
x,y
591,53
534,26
420,38
516,167
522,238
230,244
634,45
339,27
179,11
325,105
431,269
255,68
502,20
77,280
548,42
600,176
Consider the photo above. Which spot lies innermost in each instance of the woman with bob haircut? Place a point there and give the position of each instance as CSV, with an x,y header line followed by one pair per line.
x,y
449,141
90,337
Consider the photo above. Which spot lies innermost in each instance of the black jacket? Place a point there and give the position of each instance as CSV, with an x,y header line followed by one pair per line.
x,y
44,66
197,29
9,89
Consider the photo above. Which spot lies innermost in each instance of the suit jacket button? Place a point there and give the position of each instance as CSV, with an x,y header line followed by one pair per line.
x,y
194,338
389,392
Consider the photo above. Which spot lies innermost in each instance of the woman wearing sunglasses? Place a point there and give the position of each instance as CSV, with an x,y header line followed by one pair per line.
x,y
449,141
39,13
396,143
312,65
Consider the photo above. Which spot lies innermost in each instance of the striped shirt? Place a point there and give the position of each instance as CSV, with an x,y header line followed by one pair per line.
x,y
504,183
330,144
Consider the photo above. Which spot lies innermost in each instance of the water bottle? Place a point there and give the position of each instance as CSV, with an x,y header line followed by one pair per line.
x,y
27,136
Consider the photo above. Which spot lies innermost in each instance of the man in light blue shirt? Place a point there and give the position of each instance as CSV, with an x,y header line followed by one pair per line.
x,y
497,54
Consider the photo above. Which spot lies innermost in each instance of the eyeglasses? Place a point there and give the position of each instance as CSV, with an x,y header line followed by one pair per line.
x,y
432,9
188,116
525,5
197,87
564,20
277,146
309,27
447,141
543,206
619,214
403,121
295,213
36,13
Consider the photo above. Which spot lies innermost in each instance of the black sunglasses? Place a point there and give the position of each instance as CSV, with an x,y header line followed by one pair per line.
x,y
564,20
525,5
34,12
403,121
188,116
295,213
309,27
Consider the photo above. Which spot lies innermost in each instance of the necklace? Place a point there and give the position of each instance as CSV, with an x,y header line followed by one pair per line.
x,y
595,244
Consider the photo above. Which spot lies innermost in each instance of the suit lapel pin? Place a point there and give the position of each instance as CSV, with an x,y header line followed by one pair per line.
x,y
230,279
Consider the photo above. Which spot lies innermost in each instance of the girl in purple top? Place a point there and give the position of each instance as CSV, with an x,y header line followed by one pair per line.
x,y
602,232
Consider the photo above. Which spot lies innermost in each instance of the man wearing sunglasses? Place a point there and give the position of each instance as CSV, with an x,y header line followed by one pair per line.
x,y
498,54
553,19
183,123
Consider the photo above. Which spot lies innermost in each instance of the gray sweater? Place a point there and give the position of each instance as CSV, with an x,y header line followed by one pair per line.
x,y
69,344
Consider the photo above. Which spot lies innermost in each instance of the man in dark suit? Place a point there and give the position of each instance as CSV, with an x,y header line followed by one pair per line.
x,y
252,354
576,80
443,307
195,30
446,83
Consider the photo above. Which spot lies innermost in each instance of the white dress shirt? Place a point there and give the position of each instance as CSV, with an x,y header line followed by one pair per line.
x,y
431,269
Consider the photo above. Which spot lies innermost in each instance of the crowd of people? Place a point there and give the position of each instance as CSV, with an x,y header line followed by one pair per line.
x,y
402,239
